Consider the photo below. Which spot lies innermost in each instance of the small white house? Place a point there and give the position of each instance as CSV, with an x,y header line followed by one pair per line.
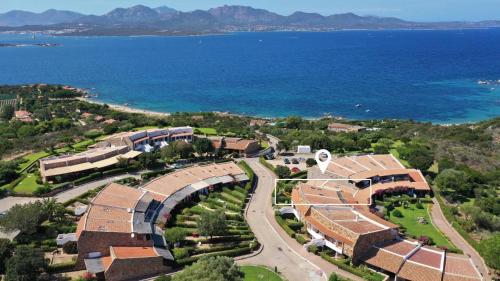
x,y
303,149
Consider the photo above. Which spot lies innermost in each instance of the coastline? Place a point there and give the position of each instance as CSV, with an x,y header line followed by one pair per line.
x,y
124,108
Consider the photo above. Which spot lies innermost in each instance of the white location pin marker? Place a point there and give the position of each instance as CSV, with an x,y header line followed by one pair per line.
x,y
320,159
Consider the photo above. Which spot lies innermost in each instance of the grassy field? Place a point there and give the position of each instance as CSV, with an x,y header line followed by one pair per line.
x,y
27,185
259,273
32,158
410,222
207,131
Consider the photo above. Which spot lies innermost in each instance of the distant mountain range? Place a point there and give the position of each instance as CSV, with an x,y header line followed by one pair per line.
x,y
142,20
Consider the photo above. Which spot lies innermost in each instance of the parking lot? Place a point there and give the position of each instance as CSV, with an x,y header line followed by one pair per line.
x,y
301,158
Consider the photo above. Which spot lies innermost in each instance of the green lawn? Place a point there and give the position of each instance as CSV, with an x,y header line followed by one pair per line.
x,y
259,273
32,158
413,227
207,131
83,144
264,144
27,186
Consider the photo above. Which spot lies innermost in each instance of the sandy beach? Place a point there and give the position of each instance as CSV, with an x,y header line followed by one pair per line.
x,y
127,109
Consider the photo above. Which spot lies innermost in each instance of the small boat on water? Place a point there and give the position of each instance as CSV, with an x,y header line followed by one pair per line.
x,y
367,110
358,105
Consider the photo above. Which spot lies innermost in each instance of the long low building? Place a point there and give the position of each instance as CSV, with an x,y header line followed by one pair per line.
x,y
92,159
118,237
148,140
337,215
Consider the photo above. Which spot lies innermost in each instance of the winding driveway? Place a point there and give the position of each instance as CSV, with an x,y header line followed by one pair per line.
x,y
445,227
280,250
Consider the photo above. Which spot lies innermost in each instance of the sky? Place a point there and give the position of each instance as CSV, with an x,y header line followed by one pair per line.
x,y
418,10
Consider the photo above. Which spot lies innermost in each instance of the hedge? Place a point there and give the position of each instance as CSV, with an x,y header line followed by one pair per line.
x,y
266,164
154,174
117,171
250,173
62,267
300,239
299,175
228,253
89,178
363,273
221,248
285,226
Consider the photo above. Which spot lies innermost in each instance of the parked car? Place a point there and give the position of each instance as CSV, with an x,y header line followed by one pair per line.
x,y
286,161
269,156
295,161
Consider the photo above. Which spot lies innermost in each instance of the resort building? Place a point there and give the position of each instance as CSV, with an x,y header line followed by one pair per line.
x,y
373,174
236,145
118,237
345,128
91,160
148,140
337,214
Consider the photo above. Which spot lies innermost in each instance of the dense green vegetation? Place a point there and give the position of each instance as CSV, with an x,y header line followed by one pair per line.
x,y
209,269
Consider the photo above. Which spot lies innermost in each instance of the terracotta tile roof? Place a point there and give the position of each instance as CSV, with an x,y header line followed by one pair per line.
x,y
383,259
459,267
111,210
428,257
361,226
398,247
416,272
328,232
106,262
173,182
133,252
117,195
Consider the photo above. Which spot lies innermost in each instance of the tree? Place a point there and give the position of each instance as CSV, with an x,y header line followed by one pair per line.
x,y
282,172
180,149
453,183
211,269
175,234
147,160
25,218
6,250
7,112
310,162
8,172
491,252
282,145
27,263
203,146
212,223
418,155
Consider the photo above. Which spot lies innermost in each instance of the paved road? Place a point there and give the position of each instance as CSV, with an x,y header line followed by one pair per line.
x,y
440,222
8,202
79,190
280,250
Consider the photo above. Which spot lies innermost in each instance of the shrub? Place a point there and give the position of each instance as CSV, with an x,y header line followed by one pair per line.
x,y
397,213
300,239
180,253
419,205
70,248
285,227
313,249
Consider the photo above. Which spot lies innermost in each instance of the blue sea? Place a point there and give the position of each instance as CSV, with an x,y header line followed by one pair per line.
x,y
420,75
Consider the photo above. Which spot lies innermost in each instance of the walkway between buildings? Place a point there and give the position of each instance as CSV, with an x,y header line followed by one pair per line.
x,y
280,250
